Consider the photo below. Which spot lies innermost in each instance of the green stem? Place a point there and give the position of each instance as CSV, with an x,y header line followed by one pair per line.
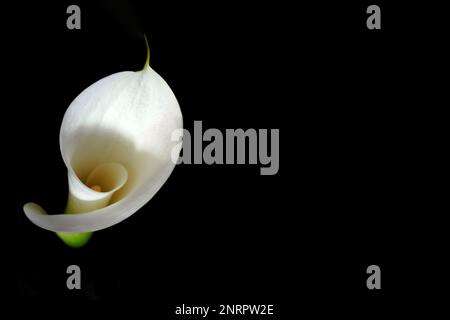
x,y
74,206
147,62
75,240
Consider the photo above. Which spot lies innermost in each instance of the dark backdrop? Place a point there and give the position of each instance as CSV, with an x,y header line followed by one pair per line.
x,y
344,196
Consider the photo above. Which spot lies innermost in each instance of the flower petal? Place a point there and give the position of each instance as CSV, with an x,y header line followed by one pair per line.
x,y
101,218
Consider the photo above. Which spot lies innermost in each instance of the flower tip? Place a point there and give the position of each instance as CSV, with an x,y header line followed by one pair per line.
x,y
147,62
32,208
74,240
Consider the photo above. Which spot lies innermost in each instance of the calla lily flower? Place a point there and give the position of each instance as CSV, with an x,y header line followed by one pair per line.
x,y
115,140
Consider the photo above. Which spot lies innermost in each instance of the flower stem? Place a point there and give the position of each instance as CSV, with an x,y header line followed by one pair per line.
x,y
75,240
147,62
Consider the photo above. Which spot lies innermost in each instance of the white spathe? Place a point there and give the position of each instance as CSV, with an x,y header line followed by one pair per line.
x,y
117,135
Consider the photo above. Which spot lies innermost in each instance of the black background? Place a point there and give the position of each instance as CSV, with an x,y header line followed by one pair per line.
x,y
346,100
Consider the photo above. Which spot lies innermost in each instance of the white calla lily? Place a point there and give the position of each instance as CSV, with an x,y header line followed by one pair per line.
x,y
115,140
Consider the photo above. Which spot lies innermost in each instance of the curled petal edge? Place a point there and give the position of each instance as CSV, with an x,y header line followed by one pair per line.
x,y
97,219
